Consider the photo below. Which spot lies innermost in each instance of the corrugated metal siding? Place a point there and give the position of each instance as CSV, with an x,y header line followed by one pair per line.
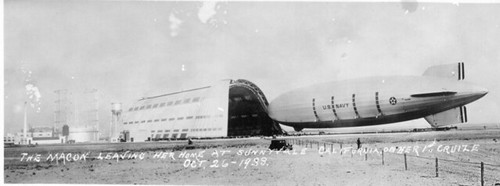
x,y
206,117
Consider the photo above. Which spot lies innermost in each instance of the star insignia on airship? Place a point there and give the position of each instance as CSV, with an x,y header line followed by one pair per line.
x,y
393,101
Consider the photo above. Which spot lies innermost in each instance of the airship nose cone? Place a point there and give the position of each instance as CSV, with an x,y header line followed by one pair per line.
x,y
271,110
275,110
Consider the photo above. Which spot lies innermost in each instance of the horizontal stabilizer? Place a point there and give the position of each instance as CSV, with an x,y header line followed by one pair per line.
x,y
452,116
434,94
454,71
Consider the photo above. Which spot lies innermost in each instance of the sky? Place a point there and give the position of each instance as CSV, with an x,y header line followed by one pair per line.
x,y
132,49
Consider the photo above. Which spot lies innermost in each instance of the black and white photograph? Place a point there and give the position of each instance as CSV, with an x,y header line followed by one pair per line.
x,y
132,92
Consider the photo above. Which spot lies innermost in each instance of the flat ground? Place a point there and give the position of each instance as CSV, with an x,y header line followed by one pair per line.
x,y
249,162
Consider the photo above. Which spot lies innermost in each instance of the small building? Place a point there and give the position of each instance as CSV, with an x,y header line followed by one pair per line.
x,y
83,134
39,135
42,132
9,138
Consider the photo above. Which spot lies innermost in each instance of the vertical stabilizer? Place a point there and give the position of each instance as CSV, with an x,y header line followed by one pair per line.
x,y
452,116
454,71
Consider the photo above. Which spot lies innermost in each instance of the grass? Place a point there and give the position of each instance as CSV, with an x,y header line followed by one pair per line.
x,y
410,136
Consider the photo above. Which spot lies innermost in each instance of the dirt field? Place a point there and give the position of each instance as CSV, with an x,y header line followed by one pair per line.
x,y
249,162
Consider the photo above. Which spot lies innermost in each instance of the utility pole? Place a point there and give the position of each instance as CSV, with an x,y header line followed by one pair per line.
x,y
25,133
61,113
92,111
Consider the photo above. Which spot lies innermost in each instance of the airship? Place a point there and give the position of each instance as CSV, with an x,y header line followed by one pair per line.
x,y
439,96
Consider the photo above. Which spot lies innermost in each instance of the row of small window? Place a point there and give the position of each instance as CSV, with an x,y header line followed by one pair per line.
x,y
170,103
170,119
176,130
185,130
244,116
165,136
206,129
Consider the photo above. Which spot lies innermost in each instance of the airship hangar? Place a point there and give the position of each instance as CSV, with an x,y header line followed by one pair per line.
x,y
228,108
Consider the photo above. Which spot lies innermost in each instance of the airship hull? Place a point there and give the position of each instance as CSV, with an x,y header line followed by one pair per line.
x,y
371,101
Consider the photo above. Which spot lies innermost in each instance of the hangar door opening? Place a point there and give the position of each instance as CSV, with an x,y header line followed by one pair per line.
x,y
248,111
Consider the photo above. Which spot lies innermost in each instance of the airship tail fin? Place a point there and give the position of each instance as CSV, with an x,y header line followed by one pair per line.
x,y
454,71
452,116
